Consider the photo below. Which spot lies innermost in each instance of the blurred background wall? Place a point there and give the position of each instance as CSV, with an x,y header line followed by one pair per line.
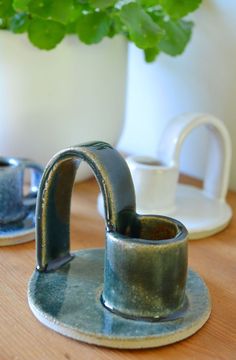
x,y
203,79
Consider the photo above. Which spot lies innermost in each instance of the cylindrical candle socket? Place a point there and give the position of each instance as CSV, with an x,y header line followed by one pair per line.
x,y
145,270
155,183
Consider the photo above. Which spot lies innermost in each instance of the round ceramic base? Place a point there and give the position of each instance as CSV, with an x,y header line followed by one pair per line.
x,y
201,215
68,301
18,232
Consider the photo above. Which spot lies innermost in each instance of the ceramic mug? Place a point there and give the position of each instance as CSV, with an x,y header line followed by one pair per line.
x,y
13,203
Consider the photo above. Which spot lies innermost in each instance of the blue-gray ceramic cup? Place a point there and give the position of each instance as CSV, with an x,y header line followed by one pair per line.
x,y
14,205
146,269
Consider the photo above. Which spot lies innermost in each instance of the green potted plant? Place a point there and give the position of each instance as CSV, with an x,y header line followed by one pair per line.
x,y
76,92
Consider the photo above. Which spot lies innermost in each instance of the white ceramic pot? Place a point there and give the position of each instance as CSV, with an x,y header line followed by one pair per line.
x,y
51,100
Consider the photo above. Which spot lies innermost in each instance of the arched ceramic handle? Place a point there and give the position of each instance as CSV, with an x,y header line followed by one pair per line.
x,y
37,171
54,198
219,156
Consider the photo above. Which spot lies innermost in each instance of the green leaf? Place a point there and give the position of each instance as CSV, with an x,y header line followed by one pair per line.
x,y
20,5
76,13
178,34
19,23
45,34
117,27
58,10
6,8
179,8
101,4
151,54
142,29
3,23
150,3
80,2
92,28
71,28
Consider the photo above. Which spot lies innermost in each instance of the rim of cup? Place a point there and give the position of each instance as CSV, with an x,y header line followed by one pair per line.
x,y
177,232
149,163
6,162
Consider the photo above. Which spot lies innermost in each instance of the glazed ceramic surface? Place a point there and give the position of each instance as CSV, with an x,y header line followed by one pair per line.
x,y
20,231
17,209
141,278
72,94
219,150
203,211
137,266
68,301
155,184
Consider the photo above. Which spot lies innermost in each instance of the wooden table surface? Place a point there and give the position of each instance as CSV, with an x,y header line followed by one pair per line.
x,y
23,337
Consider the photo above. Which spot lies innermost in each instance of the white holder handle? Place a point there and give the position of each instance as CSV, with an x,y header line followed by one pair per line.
x,y
220,150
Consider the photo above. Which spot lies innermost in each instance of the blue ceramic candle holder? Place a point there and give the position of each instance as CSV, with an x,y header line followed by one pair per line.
x,y
17,210
137,292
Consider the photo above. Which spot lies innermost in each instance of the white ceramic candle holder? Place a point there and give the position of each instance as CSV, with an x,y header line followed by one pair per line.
x,y
203,211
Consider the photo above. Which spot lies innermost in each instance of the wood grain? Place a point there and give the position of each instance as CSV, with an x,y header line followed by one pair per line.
x,y
22,337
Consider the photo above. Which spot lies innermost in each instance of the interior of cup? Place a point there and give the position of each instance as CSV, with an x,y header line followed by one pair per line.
x,y
155,228
147,161
7,162
4,164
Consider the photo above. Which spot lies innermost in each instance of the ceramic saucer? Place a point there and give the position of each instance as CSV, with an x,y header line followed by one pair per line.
x,y
20,231
67,300
203,216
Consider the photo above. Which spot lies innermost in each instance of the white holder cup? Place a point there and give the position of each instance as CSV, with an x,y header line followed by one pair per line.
x,y
155,184
204,211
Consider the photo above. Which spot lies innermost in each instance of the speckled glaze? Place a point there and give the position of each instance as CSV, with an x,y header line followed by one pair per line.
x,y
20,231
68,301
13,204
54,198
134,294
16,209
145,271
